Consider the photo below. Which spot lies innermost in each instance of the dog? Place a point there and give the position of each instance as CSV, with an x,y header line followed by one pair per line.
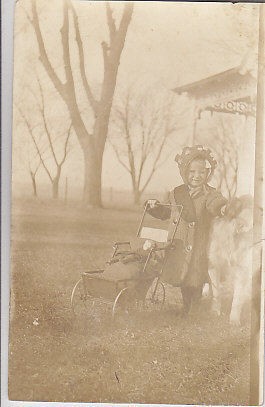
x,y
230,256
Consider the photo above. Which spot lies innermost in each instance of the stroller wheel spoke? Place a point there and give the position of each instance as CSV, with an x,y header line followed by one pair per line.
x,y
155,297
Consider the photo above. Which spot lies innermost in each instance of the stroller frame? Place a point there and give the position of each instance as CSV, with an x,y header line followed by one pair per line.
x,y
93,284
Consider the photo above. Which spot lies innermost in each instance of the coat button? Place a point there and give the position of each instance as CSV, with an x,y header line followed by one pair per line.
x,y
188,248
191,224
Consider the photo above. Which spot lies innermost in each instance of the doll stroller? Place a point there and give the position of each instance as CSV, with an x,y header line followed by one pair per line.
x,y
134,272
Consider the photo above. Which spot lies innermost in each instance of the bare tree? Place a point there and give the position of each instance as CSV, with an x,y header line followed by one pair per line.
x,y
140,134
30,158
33,168
92,143
243,21
44,142
225,144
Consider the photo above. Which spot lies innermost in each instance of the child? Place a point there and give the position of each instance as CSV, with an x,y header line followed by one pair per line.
x,y
201,203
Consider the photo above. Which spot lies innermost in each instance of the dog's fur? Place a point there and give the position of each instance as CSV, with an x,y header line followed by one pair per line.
x,y
230,255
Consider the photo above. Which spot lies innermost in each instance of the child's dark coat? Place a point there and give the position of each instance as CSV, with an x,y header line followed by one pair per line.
x,y
187,264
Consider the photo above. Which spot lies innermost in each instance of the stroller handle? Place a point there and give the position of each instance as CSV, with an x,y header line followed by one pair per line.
x,y
176,222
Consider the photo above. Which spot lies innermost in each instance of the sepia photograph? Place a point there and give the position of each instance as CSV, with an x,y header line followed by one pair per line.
x,y
136,214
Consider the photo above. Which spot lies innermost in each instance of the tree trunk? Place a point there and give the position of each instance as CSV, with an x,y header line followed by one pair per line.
x,y
55,184
92,178
92,153
34,185
137,196
55,188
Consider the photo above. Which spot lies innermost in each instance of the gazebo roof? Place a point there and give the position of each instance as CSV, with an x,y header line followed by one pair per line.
x,y
234,76
230,91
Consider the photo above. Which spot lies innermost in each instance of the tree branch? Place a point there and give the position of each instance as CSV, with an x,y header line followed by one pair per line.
x,y
65,146
126,17
93,102
111,22
43,114
34,141
43,53
105,49
66,51
118,156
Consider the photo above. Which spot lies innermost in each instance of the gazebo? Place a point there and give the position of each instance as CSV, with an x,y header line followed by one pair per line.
x,y
232,92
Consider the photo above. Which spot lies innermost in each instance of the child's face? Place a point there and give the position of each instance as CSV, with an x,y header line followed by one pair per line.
x,y
197,173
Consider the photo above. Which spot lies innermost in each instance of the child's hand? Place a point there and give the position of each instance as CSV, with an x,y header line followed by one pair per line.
x,y
152,203
232,208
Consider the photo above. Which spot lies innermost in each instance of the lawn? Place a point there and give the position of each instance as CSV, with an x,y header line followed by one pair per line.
x,y
154,357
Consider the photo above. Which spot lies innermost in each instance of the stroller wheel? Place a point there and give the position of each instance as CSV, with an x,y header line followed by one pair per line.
x,y
123,304
78,299
118,301
156,295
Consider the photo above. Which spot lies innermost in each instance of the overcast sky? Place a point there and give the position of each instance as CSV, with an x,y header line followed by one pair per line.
x,y
167,45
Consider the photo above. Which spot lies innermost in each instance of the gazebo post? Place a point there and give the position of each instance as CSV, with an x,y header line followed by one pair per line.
x,y
256,362
195,119
194,130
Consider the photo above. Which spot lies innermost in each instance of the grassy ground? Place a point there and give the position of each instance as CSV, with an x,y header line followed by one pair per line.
x,y
154,357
